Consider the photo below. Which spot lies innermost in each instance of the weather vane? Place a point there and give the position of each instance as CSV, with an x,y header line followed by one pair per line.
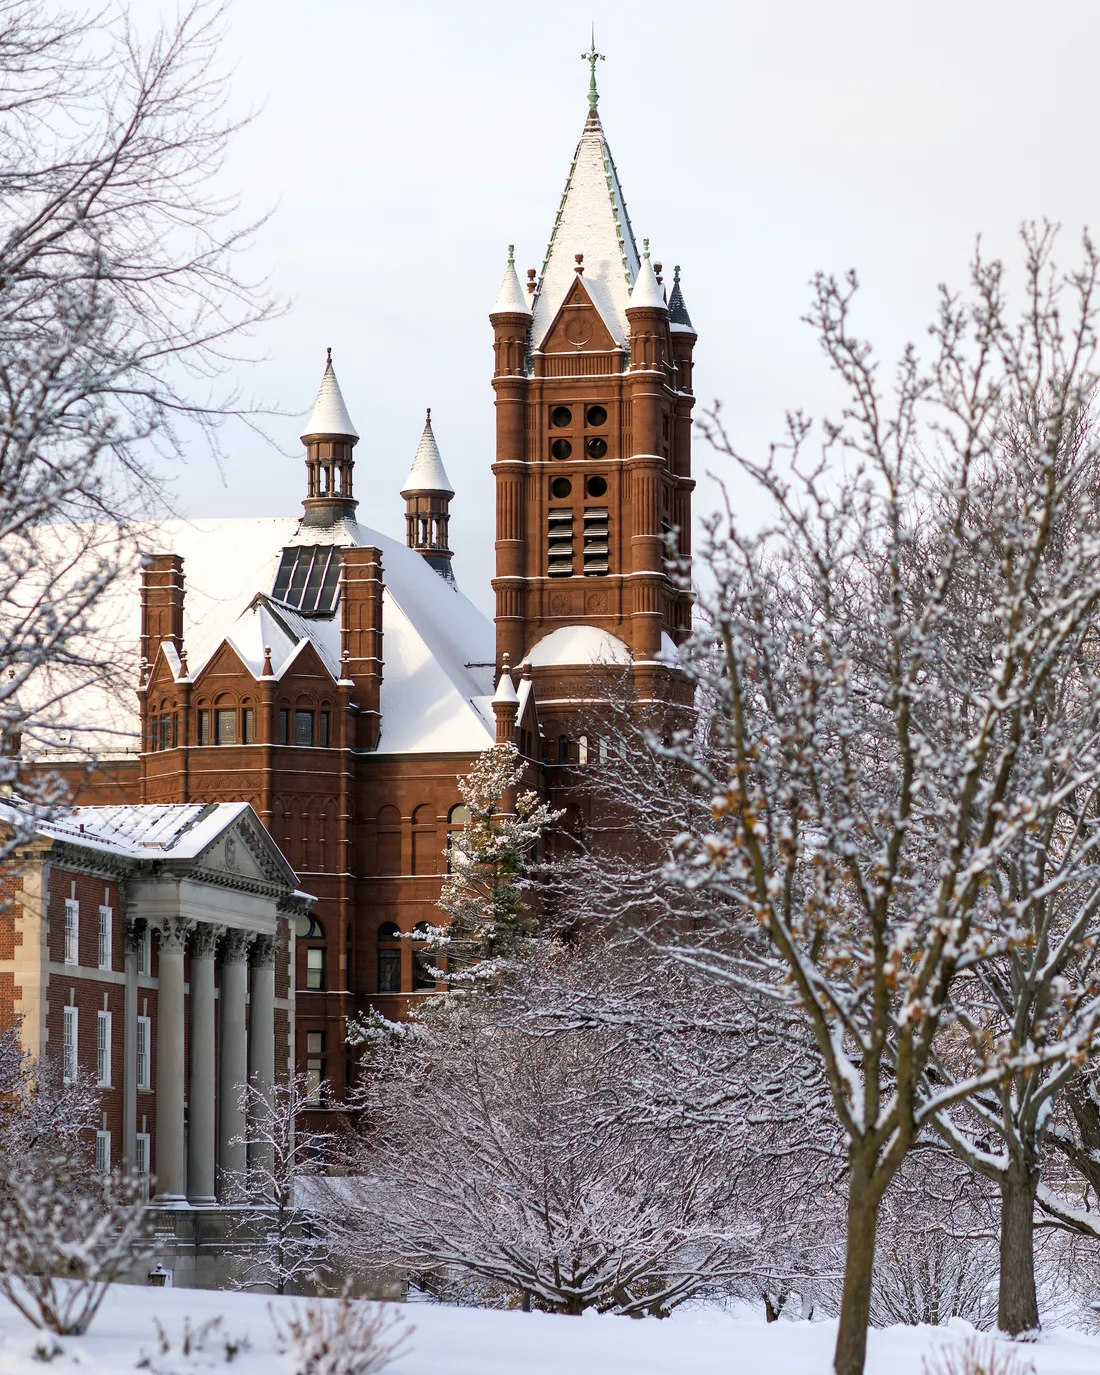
x,y
592,57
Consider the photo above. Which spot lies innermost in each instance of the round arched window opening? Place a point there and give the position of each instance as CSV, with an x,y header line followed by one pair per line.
x,y
596,486
597,448
308,928
389,958
561,417
561,448
597,416
561,487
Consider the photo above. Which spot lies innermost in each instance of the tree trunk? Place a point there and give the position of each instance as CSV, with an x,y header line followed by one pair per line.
x,y
1018,1306
859,1264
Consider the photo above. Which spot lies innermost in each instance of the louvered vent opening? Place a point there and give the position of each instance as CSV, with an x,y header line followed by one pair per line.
x,y
595,542
561,543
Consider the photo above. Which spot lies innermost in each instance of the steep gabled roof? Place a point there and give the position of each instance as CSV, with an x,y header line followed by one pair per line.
x,y
330,415
592,219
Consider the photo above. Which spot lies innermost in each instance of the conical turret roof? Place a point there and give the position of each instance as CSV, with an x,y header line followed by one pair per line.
x,y
678,316
330,415
647,289
592,219
511,298
427,473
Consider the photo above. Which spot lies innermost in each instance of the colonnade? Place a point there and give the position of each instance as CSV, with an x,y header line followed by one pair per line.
x,y
210,1165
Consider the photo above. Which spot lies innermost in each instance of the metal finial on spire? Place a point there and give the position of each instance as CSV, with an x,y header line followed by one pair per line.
x,y
329,359
676,275
645,248
511,255
428,417
592,57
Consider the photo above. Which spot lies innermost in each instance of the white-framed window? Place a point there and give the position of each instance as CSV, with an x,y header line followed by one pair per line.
x,y
103,1152
141,1153
72,931
145,946
68,1050
103,1049
144,1041
106,927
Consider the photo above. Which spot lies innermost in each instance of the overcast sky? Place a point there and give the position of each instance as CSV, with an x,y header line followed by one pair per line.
x,y
402,147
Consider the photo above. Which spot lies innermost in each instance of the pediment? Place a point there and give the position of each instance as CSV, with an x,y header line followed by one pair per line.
x,y
244,851
224,662
578,327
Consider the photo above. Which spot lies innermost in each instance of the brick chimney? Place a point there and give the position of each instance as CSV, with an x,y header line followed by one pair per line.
x,y
162,588
361,588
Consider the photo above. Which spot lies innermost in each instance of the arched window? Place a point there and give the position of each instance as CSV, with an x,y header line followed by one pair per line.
x,y
582,750
603,749
389,958
423,962
563,749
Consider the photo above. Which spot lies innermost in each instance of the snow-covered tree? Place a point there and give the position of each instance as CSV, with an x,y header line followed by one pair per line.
x,y
283,1242
120,305
65,1234
484,895
873,766
514,1161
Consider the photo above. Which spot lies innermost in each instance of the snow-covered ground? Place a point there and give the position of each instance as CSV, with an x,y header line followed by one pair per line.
x,y
463,1341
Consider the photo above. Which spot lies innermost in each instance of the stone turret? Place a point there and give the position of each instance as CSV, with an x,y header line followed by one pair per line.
x,y
428,492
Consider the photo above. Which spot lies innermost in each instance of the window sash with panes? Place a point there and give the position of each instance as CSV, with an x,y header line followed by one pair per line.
x,y
103,1049
103,1152
106,932
144,1040
69,1043
204,727
72,931
303,728
226,725
315,967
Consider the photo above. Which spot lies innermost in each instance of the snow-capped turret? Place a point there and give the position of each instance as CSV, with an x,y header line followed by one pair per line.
x,y
647,290
427,492
510,298
329,416
329,438
506,705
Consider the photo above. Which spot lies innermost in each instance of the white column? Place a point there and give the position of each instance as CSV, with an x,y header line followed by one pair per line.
x,y
233,1052
261,1041
135,932
169,1051
201,1100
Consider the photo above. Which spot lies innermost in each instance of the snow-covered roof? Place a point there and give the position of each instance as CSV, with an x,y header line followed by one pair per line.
x,y
592,219
647,289
330,415
427,473
506,690
511,299
439,650
578,644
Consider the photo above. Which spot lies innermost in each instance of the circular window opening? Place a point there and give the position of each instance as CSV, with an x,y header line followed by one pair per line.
x,y
597,416
561,416
561,487
596,486
597,448
561,448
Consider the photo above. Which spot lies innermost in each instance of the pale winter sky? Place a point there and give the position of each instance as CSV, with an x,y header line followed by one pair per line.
x,y
402,147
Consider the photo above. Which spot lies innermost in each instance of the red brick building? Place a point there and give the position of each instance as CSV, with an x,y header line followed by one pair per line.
x,y
338,680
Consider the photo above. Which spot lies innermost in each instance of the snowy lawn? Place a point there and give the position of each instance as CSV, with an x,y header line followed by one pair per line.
x,y
463,1341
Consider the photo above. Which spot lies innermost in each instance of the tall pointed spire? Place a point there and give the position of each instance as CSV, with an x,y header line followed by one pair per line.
x,y
329,438
427,473
647,290
592,220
